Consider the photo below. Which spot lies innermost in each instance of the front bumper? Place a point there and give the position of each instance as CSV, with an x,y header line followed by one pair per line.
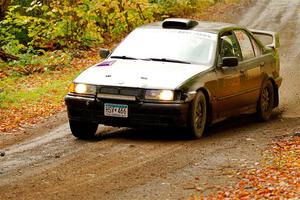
x,y
139,113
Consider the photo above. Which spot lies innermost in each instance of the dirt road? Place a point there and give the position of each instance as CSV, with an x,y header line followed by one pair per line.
x,y
156,164
284,17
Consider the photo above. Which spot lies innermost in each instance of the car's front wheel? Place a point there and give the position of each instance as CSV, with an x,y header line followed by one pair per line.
x,y
83,130
198,115
266,101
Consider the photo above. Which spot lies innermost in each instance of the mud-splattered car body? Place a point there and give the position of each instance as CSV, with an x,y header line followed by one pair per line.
x,y
178,72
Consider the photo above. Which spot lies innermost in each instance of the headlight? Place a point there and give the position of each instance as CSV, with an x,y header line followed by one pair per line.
x,y
166,95
81,88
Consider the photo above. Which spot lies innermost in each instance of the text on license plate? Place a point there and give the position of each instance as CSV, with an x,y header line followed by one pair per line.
x,y
115,110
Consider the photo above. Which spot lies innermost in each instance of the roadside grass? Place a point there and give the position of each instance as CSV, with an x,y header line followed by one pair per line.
x,y
25,100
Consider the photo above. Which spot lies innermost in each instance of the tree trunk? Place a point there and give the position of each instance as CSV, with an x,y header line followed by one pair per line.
x,y
3,7
5,56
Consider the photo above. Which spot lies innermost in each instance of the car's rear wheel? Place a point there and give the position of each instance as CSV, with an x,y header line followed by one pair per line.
x,y
266,101
83,130
198,115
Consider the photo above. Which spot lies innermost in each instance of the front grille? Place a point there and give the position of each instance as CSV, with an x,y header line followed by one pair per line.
x,y
109,90
137,92
131,92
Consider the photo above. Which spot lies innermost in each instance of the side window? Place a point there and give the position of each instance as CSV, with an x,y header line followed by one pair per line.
x,y
229,46
245,44
257,49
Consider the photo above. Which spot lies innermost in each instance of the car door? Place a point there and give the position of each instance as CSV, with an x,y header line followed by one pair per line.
x,y
231,80
250,66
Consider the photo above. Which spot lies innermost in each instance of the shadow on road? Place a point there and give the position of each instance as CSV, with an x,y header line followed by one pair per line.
x,y
181,134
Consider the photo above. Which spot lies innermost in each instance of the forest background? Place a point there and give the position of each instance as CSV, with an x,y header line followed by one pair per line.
x,y
31,28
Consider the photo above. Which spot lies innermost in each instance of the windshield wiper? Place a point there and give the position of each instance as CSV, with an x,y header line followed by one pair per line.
x,y
167,60
153,59
124,57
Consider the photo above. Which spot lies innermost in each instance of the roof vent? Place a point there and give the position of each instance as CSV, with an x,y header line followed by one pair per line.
x,y
179,23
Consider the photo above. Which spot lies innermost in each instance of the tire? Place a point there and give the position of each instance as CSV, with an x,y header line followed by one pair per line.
x,y
83,130
198,115
266,101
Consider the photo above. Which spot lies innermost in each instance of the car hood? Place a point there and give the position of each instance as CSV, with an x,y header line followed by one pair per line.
x,y
139,74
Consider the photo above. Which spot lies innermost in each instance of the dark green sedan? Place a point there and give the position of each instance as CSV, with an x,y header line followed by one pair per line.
x,y
178,72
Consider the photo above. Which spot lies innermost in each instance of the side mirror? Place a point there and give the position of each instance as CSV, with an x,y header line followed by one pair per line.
x,y
230,61
104,53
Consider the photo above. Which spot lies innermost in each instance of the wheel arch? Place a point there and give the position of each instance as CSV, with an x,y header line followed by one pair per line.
x,y
276,93
275,89
208,104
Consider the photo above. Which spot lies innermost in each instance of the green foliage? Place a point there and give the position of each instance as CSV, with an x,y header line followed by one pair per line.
x,y
83,24
179,8
31,26
30,63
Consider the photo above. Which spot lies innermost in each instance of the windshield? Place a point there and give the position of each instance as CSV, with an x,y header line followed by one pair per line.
x,y
168,45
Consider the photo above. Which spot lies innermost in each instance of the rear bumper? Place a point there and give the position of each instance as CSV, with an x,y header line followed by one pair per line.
x,y
139,113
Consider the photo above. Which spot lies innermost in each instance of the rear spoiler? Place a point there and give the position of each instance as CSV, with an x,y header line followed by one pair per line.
x,y
273,42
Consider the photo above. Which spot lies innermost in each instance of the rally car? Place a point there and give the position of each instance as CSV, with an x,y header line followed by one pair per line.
x,y
178,72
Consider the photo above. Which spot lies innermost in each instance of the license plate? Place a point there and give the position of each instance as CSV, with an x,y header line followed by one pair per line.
x,y
116,110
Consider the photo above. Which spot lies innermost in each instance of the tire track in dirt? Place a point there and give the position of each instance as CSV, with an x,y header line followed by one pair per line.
x,y
136,164
39,154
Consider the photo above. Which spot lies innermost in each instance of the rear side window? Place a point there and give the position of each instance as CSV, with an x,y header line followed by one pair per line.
x,y
245,44
257,49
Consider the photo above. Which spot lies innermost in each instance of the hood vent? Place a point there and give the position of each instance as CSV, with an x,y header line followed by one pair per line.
x,y
177,23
